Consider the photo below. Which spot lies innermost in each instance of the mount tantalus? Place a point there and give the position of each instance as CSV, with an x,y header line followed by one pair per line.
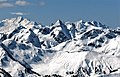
x,y
62,49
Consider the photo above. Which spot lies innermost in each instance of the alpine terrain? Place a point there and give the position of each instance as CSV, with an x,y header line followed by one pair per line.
x,y
62,49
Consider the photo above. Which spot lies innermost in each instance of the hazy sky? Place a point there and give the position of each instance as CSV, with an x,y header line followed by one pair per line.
x,y
48,11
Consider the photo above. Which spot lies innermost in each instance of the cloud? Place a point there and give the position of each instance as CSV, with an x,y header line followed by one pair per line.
x,y
18,13
5,4
22,3
19,3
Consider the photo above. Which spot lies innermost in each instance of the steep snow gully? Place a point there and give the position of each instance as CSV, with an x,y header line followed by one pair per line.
x,y
62,49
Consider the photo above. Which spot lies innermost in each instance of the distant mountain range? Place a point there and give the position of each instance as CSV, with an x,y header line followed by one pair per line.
x,y
62,49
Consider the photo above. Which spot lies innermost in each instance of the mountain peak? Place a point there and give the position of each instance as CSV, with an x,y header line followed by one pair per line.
x,y
94,23
59,22
19,17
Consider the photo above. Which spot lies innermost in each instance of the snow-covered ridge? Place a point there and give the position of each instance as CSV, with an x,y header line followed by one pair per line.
x,y
82,49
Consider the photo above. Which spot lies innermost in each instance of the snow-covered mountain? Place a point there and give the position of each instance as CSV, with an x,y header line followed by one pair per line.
x,y
63,49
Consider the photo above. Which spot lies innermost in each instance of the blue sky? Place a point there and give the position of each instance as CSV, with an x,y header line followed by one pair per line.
x,y
49,11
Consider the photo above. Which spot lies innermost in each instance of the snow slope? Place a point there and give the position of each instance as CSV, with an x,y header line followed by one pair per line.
x,y
70,49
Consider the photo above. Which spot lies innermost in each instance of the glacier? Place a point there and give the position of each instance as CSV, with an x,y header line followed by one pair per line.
x,y
62,49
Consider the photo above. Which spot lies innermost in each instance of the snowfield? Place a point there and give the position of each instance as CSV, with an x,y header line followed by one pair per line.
x,y
63,49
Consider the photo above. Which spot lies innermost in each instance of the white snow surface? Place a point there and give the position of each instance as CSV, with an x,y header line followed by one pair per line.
x,y
70,49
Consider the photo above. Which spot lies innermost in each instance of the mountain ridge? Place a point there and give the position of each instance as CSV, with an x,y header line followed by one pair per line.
x,y
82,49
